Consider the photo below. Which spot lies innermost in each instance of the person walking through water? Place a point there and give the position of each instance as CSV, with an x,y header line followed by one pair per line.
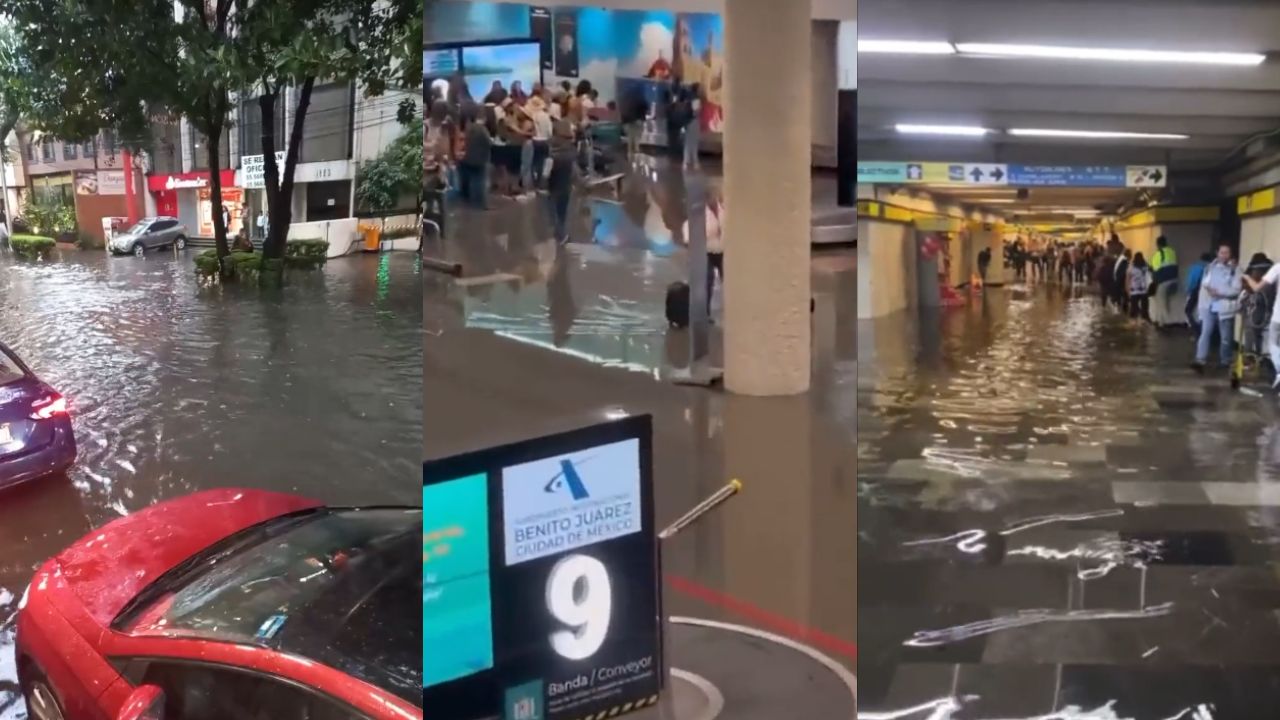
x,y
1164,268
1194,278
692,126
984,262
1222,285
1267,286
1139,288
564,158
1120,280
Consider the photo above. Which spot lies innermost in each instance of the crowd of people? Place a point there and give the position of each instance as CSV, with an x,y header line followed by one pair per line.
x,y
1225,304
1140,287
517,143
513,142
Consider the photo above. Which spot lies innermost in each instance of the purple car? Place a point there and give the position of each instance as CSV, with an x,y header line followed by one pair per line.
x,y
35,425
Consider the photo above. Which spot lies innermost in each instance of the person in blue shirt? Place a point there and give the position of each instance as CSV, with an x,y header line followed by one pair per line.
x,y
1222,285
1194,277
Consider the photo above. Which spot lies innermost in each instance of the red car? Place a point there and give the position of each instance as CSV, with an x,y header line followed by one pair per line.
x,y
229,604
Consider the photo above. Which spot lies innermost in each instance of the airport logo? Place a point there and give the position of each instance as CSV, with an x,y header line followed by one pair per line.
x,y
568,479
524,702
561,503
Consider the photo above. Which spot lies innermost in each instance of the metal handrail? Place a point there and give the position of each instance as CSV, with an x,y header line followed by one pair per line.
x,y
439,265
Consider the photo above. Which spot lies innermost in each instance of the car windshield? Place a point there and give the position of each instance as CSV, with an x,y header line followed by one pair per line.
x,y
341,587
139,227
10,370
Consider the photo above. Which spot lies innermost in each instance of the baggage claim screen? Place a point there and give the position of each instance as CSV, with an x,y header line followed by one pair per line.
x,y
456,613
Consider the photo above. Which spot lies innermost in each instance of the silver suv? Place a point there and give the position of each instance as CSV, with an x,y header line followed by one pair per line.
x,y
150,234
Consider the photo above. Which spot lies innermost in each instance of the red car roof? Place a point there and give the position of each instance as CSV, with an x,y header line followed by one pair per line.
x,y
110,566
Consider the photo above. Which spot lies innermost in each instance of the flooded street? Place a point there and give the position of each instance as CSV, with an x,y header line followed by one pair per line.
x,y
312,389
1058,518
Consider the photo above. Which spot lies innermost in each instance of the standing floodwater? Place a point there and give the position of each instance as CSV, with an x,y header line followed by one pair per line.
x,y
314,389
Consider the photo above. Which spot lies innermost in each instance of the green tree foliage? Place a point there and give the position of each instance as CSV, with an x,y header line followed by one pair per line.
x,y
117,64
295,43
395,173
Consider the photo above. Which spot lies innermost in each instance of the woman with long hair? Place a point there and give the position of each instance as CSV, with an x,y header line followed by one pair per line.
x,y
1139,286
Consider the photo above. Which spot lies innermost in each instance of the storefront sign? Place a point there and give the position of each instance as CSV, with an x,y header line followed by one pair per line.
x,y
187,181
101,182
561,622
322,171
253,170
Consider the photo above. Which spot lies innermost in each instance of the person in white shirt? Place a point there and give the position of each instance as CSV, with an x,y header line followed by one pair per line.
x,y
542,130
1271,279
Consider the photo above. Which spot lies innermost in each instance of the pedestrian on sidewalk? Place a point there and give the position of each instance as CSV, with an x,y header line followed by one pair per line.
x,y
1139,288
1222,284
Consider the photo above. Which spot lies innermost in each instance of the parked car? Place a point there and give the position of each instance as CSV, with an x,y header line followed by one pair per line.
x,y
229,604
150,233
36,438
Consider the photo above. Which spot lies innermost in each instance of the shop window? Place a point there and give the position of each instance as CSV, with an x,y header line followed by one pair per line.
x,y
328,200
200,150
166,137
251,126
109,143
69,151
327,133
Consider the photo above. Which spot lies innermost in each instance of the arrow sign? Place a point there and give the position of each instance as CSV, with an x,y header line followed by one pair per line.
x,y
1146,176
986,174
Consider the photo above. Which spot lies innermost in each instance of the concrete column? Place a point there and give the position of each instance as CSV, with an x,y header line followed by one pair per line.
x,y
767,196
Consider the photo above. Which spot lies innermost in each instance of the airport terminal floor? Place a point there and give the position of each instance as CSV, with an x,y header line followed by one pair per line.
x,y
1059,519
536,336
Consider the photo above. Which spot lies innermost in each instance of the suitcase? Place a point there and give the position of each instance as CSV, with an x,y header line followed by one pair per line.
x,y
678,305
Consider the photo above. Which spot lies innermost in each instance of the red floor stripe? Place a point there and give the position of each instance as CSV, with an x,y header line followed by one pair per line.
x,y
765,619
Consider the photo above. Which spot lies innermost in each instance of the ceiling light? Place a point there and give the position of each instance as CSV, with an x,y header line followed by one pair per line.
x,y
941,130
993,201
1094,134
1112,54
906,47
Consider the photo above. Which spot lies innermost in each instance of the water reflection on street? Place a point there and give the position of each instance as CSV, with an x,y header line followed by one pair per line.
x,y
312,389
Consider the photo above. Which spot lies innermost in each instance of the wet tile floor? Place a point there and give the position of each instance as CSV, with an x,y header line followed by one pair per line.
x,y
1059,520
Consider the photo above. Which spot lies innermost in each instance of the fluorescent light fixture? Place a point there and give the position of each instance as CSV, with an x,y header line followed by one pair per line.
x,y
961,130
1112,54
1094,134
906,47
994,201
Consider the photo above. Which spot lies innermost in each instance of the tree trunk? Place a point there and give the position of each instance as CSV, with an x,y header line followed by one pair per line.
x,y
214,145
280,185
